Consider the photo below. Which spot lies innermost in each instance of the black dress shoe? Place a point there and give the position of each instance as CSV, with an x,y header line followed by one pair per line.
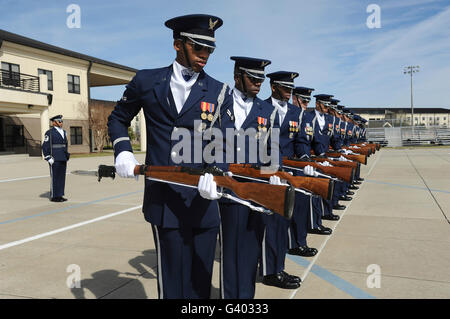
x,y
322,230
353,187
280,280
56,199
360,179
350,193
338,207
63,199
331,217
356,183
346,198
292,277
304,251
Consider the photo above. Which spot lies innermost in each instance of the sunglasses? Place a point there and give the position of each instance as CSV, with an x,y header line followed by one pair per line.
x,y
59,121
253,79
198,47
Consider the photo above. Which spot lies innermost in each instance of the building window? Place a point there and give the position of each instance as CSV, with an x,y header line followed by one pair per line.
x,y
49,78
73,83
445,119
10,74
423,118
76,135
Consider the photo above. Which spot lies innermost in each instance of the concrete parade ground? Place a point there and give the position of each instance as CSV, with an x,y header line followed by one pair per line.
x,y
392,241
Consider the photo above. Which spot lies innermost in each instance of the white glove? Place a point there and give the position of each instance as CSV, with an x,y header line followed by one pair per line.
x,y
309,170
229,174
125,163
326,163
346,152
274,180
343,159
207,187
51,161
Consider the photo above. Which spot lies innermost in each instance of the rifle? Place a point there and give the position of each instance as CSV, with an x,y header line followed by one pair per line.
x,y
371,146
335,162
355,157
320,186
361,150
344,173
277,198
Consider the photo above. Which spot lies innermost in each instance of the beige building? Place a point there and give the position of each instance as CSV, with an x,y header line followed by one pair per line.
x,y
402,116
38,81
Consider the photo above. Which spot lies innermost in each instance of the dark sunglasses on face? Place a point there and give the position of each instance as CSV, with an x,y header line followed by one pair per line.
x,y
59,121
198,47
254,80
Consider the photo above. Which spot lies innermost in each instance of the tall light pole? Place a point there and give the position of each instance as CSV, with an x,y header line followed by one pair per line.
x,y
411,70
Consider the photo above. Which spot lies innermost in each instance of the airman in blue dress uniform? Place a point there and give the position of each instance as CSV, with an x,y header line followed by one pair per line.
x,y
301,98
185,222
275,241
323,130
250,119
292,144
56,154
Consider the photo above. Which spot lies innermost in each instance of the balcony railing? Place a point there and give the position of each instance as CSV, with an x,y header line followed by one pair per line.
x,y
19,81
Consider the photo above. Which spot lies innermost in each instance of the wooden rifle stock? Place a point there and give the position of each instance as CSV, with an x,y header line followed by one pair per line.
x,y
369,146
344,173
320,186
358,158
277,198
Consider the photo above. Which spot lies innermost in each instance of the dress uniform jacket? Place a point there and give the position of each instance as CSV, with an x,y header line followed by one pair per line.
x,y
165,205
336,139
55,146
349,134
321,140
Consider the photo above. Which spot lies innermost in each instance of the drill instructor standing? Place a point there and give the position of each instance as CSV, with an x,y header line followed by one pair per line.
x,y
55,153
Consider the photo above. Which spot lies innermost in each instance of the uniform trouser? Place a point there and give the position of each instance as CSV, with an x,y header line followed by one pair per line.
x,y
274,244
315,216
58,178
240,236
298,227
185,258
340,189
327,207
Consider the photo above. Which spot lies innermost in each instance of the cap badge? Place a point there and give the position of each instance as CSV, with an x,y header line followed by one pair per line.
x,y
212,24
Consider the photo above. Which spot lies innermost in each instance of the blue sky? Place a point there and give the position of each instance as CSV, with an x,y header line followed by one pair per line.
x,y
326,41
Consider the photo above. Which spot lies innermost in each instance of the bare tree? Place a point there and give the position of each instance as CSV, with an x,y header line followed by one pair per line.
x,y
98,122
